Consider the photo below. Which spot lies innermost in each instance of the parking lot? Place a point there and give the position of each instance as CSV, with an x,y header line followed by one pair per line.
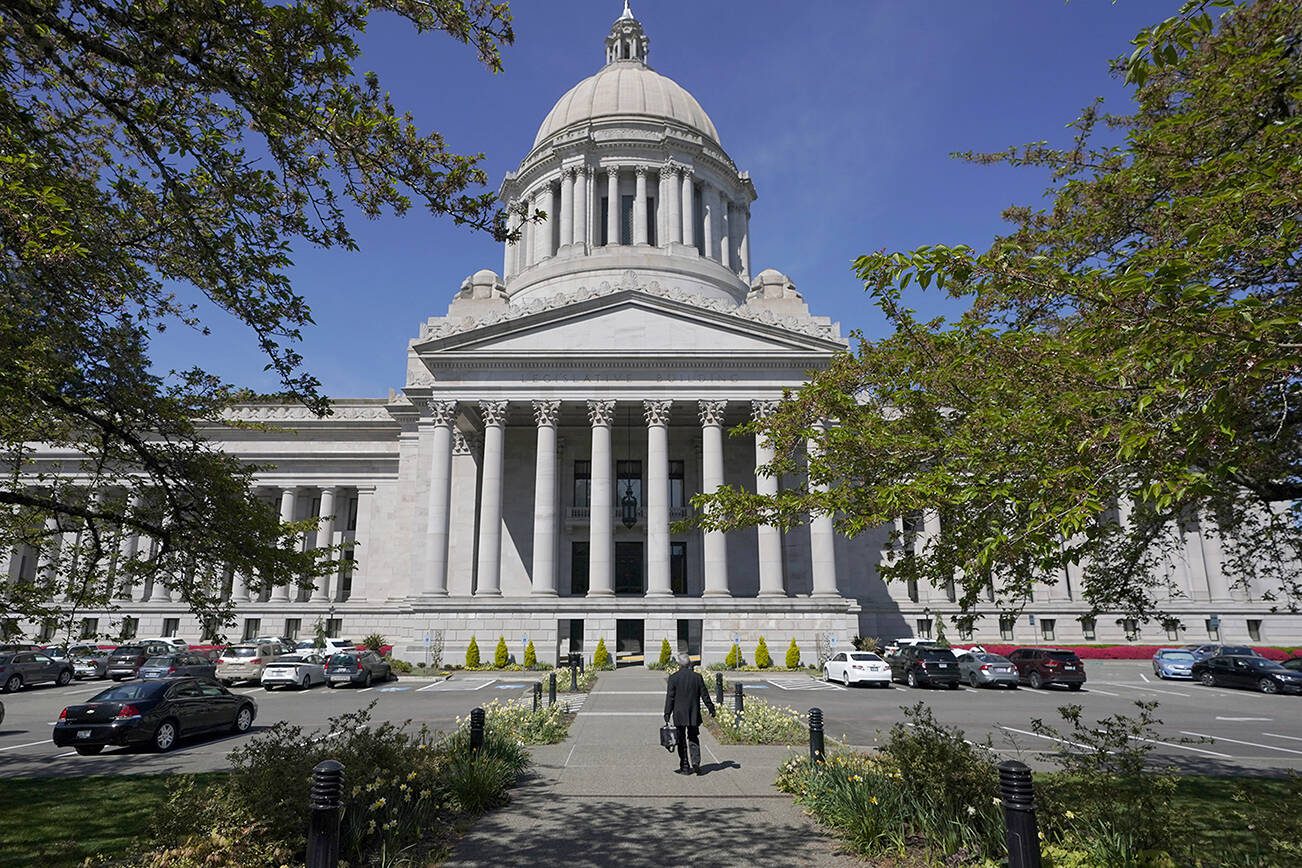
x,y
27,750
1248,731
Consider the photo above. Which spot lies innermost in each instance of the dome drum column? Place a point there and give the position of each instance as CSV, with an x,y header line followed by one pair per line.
x,y
672,205
567,208
687,211
612,206
639,208
581,208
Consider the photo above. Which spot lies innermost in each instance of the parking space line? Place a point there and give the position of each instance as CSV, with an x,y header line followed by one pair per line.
x,y
366,690
1277,735
29,744
1145,689
1237,741
1179,746
1047,737
1145,677
1099,690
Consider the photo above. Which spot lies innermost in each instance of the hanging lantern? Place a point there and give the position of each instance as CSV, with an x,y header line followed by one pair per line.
x,y
629,506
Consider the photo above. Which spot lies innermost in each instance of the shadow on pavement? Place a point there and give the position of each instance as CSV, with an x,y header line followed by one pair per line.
x,y
706,768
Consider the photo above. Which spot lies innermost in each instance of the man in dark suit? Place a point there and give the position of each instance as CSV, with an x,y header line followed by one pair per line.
x,y
683,701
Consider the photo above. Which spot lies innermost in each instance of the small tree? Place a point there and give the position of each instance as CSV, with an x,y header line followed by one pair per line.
x,y
763,659
601,657
666,654
501,655
530,656
472,654
793,655
374,642
940,632
733,660
319,635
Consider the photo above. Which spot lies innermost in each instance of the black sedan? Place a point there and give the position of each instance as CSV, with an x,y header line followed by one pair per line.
x,y
1251,672
153,713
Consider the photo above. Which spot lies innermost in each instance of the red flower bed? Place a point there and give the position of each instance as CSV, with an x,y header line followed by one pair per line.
x,y
1126,652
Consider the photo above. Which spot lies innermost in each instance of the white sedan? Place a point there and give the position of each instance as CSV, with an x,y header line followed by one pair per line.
x,y
294,670
851,667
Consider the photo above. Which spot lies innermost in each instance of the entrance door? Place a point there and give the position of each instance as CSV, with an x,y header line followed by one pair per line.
x,y
628,642
628,569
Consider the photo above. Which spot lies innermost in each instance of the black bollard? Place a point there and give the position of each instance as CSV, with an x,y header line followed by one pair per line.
x,y
551,688
574,678
476,729
816,752
718,688
324,800
1020,830
738,703
537,695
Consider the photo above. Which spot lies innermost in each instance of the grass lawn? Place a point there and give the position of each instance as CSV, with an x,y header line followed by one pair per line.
x,y
1270,804
51,822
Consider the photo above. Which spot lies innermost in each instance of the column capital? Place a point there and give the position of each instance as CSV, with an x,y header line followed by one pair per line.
x,y
760,410
672,167
545,412
687,172
657,412
601,412
712,411
443,412
640,171
612,171
494,412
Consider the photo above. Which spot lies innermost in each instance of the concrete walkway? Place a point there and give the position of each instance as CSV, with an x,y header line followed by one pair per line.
x,y
608,795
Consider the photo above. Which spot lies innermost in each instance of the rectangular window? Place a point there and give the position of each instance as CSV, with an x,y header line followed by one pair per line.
x,y
912,528
678,567
171,626
252,627
1131,628
628,474
1172,627
1046,628
578,568
651,221
677,485
346,576
292,627
924,628
625,219
47,631
1087,625
211,630
1213,626
334,627
1006,623
582,483
604,222
352,514
130,627
965,632
89,628
1254,629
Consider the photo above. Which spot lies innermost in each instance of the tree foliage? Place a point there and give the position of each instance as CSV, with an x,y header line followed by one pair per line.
x,y
155,157
1127,366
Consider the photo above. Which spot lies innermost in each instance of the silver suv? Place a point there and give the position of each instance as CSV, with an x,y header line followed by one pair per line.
x,y
245,662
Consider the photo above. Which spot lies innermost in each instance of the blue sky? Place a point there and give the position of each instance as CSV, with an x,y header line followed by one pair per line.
x,y
843,111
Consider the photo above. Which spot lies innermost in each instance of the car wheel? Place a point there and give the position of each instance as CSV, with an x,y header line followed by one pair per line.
x,y
845,678
65,677
1073,687
243,719
1036,681
827,674
306,682
367,683
1208,679
89,749
13,684
1267,685
972,679
165,736
911,679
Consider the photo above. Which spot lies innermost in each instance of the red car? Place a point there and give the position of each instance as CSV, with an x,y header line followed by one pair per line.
x,y
1040,667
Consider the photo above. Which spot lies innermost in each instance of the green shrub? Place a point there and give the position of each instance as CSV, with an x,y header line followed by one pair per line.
x,y
399,665
374,642
793,655
940,632
530,656
478,782
501,656
666,654
472,654
762,657
733,660
601,657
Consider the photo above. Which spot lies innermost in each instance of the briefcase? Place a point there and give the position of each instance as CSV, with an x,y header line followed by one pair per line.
x,y
668,737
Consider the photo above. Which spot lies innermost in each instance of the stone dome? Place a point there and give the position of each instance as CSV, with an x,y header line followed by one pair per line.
x,y
627,88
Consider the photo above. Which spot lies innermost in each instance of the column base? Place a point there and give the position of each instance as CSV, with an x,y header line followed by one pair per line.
x,y
600,594
545,593
659,593
439,594
710,593
495,593
772,594
826,595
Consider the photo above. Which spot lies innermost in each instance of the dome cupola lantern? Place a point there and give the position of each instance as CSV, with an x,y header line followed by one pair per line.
x,y
627,40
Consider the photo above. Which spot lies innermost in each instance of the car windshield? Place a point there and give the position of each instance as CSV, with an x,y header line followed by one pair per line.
x,y
343,660
1068,656
160,661
130,692
241,652
935,654
1177,656
290,658
865,655
130,650
991,658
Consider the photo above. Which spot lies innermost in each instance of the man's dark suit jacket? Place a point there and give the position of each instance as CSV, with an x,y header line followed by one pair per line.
x,y
684,697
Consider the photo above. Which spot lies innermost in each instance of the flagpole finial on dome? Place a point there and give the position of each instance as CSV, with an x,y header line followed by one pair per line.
x,y
627,40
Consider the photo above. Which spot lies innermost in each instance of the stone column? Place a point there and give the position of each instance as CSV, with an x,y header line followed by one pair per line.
x,y
639,207
325,535
672,206
48,556
612,205
601,515
1209,537
725,234
710,222
657,498
822,536
489,568
239,587
362,536
544,499
128,545
542,232
714,542
509,251
768,537
743,241
567,208
581,207
288,502
438,510
688,207
662,196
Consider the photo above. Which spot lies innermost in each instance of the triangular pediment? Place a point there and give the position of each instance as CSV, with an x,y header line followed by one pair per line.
x,y
629,323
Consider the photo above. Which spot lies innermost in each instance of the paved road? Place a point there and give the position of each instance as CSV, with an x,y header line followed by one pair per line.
x,y
1249,732
26,748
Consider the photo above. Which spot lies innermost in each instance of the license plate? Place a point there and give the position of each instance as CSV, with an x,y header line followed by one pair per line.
x,y
1069,667
83,733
